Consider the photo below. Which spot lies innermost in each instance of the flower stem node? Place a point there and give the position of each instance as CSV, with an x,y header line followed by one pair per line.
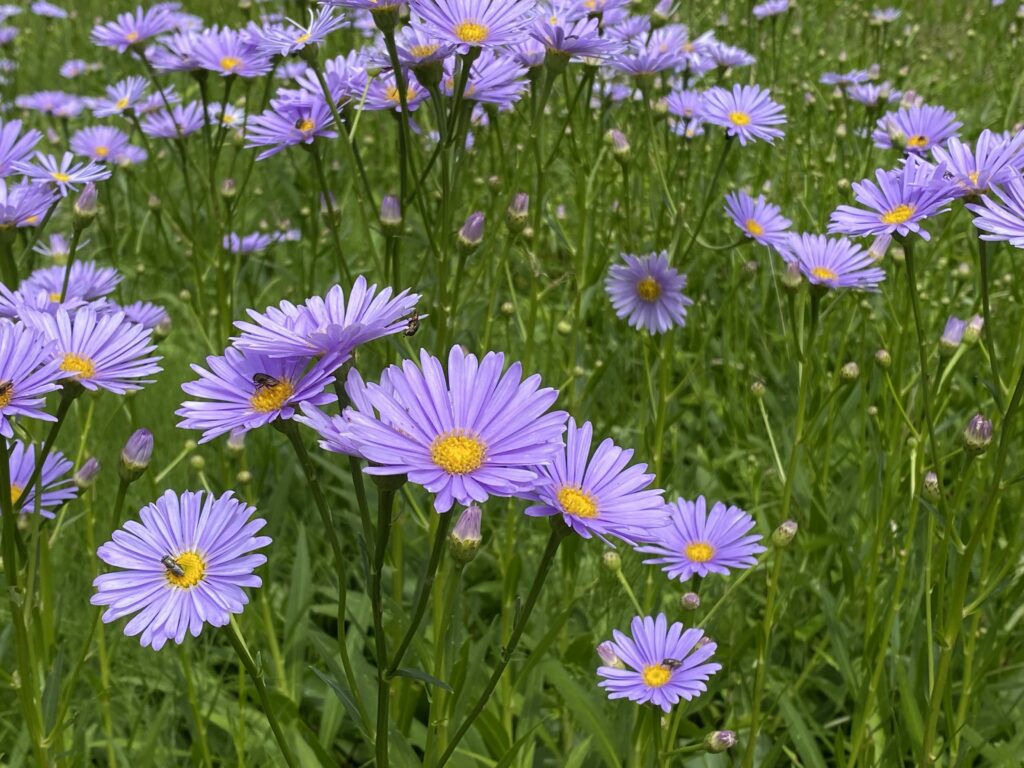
x,y
783,535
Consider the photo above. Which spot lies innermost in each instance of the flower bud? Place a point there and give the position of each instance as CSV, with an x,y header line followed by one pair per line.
x,y
617,140
609,658
390,215
972,332
953,334
880,247
197,462
86,474
518,212
612,561
791,278
236,440
244,477
86,206
153,202
162,329
136,455
228,189
849,372
720,741
564,327
783,536
883,358
757,388
978,435
464,539
690,601
472,232
931,488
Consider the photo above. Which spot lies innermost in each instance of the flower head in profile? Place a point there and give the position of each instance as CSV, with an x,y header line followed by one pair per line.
x,y
122,96
598,495
647,292
87,280
465,434
746,112
727,56
183,564
131,29
493,79
760,220
915,129
174,53
853,77
1000,214
28,373
770,8
973,170
244,389
15,146
288,123
182,120
475,23
871,94
659,664
832,262
417,47
897,204
24,204
293,37
56,103
578,38
53,479
229,52
64,174
698,542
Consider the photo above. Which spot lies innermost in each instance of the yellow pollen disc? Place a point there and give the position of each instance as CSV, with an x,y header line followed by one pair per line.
x,y
58,176
5,397
898,215
391,92
739,118
699,551
753,227
305,125
194,567
267,399
917,141
688,47
16,491
648,289
31,219
824,273
302,38
656,675
590,4
122,103
102,151
974,176
132,36
55,297
471,32
228,119
422,51
457,452
577,502
79,366
230,62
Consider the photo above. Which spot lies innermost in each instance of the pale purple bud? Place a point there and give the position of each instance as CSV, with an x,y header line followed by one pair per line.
x,y
86,474
464,540
978,435
609,658
136,454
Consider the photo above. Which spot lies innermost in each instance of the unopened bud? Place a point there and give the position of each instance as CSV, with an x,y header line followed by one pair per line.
x,y
518,212
617,140
236,440
162,329
953,334
609,658
850,372
563,327
472,232
757,389
978,435
720,741
690,601
784,534
612,561
931,488
883,358
791,278
197,462
86,474
153,202
228,189
973,330
508,308
244,477
390,215
879,247
136,455
86,206
464,539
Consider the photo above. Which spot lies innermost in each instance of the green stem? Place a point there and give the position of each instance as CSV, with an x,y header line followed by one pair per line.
x,y
385,509
986,313
75,237
193,701
762,658
710,194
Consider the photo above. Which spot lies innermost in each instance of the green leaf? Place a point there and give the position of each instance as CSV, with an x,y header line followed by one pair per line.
x,y
423,677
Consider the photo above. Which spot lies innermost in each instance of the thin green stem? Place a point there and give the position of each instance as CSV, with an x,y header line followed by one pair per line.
x,y
764,645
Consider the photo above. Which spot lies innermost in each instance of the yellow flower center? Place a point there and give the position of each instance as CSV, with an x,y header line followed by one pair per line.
x,y
16,491
974,176
193,566
577,502
272,397
102,151
422,51
824,273
79,366
228,119
898,215
6,393
754,228
739,118
648,289
230,62
471,32
457,452
58,176
917,141
656,675
391,92
132,36
305,125
122,102
302,38
55,297
699,551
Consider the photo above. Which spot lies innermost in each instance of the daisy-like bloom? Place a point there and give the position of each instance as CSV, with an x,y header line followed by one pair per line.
x,y
157,101
383,93
647,292
336,431
98,351
472,433
993,160
73,68
1001,215
729,56
475,23
880,16
48,10
417,47
101,143
660,664
27,373
15,146
530,53
174,53
872,95
897,204
24,204
578,39
183,120
327,324
493,79
698,542
746,112
640,58
598,495
130,29
832,262
256,242
64,174
687,105
293,37
760,220
56,103
288,123
248,390
183,565
58,488
228,52
146,314
853,77
121,97
226,115
915,129
87,281
367,5
770,8
57,248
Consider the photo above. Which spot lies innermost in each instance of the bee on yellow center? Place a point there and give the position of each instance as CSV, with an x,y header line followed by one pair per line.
x,y
271,397
306,125
917,141
184,571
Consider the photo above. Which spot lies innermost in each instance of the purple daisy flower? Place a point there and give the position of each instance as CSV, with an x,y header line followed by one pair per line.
x,y
56,103
225,115
183,120
87,281
101,143
288,123
73,68
255,242
64,174
915,129
130,29
465,436
174,53
146,314
475,23
726,56
287,40
184,565
688,106
698,542
832,262
493,79
417,47
229,52
881,16
770,8
367,5
993,160
872,95
660,664
598,495
48,10
98,351
328,324
640,58
953,333
759,219
383,93
24,204
57,248
57,488
248,390
27,373
121,97
853,77
580,38
647,292
15,146
897,204
336,431
746,112
1002,217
